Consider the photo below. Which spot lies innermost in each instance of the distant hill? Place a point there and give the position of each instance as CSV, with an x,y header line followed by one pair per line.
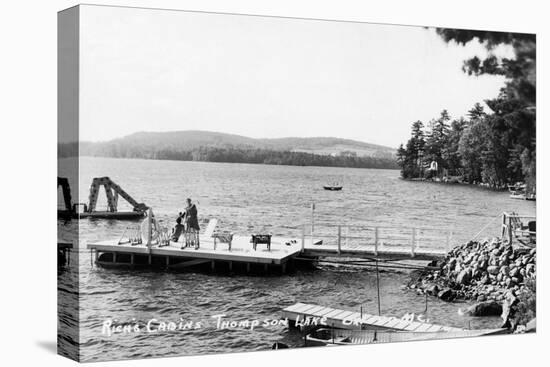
x,y
194,145
193,139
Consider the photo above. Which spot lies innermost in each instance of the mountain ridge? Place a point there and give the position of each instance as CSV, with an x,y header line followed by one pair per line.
x,y
194,139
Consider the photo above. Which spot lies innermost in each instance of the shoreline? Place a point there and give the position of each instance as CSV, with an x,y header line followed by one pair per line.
x,y
498,277
456,182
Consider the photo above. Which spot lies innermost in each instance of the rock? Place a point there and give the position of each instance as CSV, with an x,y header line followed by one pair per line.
x,y
433,290
487,308
507,309
484,279
464,277
493,270
446,295
481,298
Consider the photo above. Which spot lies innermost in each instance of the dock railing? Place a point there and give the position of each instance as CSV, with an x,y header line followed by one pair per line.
x,y
378,238
519,227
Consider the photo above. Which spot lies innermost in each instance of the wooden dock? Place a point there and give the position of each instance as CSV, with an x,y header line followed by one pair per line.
x,y
173,256
351,320
334,241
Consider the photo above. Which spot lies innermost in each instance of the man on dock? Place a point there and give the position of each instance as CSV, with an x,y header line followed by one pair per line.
x,y
190,218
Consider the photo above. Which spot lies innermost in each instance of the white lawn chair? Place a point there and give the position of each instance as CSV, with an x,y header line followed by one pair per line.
x,y
222,237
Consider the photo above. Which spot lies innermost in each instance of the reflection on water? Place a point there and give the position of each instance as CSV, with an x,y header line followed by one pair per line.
x,y
248,198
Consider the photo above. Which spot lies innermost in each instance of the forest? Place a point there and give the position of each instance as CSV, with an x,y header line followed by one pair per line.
x,y
493,146
238,155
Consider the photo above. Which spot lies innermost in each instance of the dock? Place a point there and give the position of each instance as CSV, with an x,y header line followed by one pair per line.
x,y
225,250
350,320
173,256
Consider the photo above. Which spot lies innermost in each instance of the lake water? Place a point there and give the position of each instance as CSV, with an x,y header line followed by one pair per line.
x,y
256,198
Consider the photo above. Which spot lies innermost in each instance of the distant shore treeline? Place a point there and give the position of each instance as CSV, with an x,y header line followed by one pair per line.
x,y
491,148
228,155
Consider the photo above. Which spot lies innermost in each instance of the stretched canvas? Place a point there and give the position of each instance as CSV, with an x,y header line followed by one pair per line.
x,y
233,183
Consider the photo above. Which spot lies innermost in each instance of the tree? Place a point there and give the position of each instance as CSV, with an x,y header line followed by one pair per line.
x,y
436,142
509,152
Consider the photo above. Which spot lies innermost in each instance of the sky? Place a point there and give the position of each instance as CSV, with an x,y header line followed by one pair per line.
x,y
267,77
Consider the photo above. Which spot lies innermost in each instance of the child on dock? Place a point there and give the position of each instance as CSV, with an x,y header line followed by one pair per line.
x,y
177,230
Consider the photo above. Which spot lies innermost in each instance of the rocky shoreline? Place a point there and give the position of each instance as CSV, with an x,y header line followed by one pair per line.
x,y
500,278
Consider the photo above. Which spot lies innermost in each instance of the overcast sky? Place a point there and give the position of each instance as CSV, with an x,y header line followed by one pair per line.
x,y
152,70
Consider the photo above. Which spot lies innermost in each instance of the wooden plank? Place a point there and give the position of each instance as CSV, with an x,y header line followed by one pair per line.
x,y
314,311
382,320
334,313
325,312
423,328
413,326
343,315
294,307
393,323
434,329
371,319
305,310
401,325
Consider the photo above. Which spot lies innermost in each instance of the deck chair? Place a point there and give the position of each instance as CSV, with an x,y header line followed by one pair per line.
x,y
222,237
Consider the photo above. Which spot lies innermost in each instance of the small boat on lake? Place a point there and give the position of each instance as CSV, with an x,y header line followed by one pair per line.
x,y
331,337
335,186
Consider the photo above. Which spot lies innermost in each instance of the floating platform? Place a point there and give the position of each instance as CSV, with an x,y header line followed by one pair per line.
x,y
350,320
282,251
173,256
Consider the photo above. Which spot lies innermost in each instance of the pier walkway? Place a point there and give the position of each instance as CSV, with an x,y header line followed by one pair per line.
x,y
351,320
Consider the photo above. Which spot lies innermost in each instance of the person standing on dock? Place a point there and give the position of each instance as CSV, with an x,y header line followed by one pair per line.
x,y
190,217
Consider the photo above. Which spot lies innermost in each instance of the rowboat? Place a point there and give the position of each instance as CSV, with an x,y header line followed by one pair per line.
x,y
330,337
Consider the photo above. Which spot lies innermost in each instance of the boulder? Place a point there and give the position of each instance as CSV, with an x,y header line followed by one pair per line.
x,y
446,295
464,277
432,290
487,308
492,269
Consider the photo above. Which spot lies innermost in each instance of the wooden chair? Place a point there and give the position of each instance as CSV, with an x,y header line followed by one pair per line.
x,y
222,237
